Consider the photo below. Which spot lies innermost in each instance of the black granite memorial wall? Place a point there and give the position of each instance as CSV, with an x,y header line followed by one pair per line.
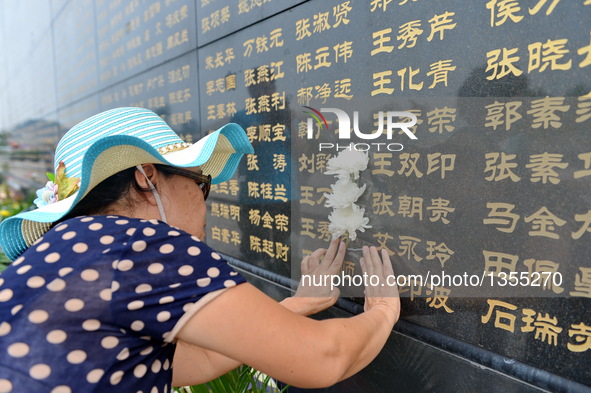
x,y
494,192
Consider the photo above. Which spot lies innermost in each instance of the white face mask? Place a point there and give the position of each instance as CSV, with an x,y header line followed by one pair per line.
x,y
158,201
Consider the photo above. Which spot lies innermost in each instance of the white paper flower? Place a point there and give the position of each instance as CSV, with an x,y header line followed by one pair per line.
x,y
344,194
347,163
348,220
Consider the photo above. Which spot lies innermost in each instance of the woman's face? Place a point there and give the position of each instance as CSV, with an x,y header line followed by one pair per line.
x,y
186,207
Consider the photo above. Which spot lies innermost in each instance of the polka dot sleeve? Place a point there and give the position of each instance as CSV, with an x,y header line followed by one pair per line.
x,y
162,275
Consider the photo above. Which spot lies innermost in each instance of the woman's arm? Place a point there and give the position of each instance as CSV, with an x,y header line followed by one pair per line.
x,y
246,325
194,365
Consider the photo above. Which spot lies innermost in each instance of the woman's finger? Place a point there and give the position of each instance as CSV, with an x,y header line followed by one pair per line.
x,y
337,262
369,264
378,265
330,253
305,265
388,268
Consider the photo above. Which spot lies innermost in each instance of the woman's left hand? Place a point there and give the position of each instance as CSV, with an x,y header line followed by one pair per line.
x,y
323,263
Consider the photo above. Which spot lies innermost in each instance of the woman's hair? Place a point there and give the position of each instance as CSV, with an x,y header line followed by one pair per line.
x,y
114,189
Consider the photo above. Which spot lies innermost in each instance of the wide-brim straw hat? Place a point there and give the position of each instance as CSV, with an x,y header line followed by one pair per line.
x,y
112,141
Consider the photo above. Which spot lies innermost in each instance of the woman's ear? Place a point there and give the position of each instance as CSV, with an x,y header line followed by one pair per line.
x,y
150,175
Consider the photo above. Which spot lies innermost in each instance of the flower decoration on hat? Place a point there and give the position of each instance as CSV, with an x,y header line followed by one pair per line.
x,y
347,217
58,188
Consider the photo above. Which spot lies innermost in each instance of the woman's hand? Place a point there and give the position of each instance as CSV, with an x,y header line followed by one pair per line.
x,y
385,293
310,299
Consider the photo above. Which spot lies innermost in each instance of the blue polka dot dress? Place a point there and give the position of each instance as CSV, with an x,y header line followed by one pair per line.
x,y
95,305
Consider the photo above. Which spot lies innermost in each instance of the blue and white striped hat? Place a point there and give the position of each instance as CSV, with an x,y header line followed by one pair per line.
x,y
112,141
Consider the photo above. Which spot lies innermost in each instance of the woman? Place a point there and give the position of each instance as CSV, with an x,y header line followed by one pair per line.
x,y
111,286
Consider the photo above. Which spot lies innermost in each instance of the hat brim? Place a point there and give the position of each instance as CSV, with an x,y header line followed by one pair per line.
x,y
217,154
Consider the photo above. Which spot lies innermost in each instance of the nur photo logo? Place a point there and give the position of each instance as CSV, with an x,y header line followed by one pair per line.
x,y
391,120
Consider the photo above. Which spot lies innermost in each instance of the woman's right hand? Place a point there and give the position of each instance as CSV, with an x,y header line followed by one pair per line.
x,y
385,293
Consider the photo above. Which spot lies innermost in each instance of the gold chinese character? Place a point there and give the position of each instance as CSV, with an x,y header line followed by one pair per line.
x,y
306,194
261,44
542,55
582,337
279,162
235,238
322,57
496,262
264,104
278,100
497,111
307,227
379,3
546,329
340,12
381,204
440,251
542,167
225,235
280,193
586,227
503,319
342,89
252,162
276,72
304,95
235,212
439,299
407,247
440,162
414,86
263,73
408,163
439,209
303,62
504,9
323,92
343,51
409,206
408,33
321,22
585,51
266,191
440,23
501,214
440,71
544,223
441,119
216,233
267,220
276,38
549,269
253,189
381,82
382,238
268,248
584,108
302,29
381,163
502,170
281,251
254,216
538,7
503,67
380,38
282,222
248,47
324,231
229,56
543,112
582,283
